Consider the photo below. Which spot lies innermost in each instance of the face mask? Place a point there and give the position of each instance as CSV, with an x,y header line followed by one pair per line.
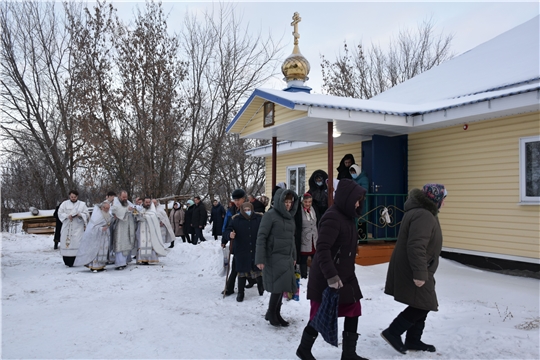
x,y
248,212
319,183
354,176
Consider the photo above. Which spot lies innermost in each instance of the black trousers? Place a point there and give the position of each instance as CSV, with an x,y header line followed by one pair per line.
x,y
414,315
198,235
69,260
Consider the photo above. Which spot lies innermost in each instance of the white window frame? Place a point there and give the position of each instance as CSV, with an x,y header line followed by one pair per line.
x,y
523,198
296,167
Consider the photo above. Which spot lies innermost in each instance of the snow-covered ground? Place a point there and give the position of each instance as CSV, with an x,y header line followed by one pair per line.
x,y
174,310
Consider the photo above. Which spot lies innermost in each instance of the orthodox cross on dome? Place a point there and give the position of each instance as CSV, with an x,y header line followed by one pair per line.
x,y
296,19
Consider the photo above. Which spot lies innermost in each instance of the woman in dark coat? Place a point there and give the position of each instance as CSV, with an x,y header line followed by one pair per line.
x,y
189,230
217,215
242,230
319,191
344,165
334,265
276,252
410,279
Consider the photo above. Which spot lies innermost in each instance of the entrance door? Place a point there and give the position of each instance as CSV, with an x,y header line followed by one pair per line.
x,y
385,161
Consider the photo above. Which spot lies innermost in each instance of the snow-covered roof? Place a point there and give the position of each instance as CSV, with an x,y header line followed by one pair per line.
x,y
503,74
508,59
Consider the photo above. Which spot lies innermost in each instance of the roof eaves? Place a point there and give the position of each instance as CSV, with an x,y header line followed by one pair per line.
x,y
263,95
487,98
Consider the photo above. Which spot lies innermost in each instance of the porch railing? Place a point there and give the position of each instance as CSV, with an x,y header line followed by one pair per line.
x,y
382,217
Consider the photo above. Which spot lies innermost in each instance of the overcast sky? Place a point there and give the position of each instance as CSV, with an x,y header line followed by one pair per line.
x,y
326,25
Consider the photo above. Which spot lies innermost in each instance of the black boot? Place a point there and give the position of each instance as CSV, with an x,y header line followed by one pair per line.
x,y
250,283
308,338
241,287
271,314
172,244
412,339
349,347
56,245
260,285
303,271
392,335
281,320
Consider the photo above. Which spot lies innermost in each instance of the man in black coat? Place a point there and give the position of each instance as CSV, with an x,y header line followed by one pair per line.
x,y
200,217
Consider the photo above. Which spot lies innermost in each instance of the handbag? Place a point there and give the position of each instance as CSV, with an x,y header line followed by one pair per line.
x,y
325,320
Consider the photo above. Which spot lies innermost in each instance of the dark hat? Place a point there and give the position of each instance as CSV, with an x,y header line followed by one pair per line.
x,y
238,194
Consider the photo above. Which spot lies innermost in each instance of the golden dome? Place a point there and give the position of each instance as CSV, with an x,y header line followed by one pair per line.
x,y
295,66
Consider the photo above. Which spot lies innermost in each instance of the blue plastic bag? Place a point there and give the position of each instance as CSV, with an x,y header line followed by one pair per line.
x,y
325,320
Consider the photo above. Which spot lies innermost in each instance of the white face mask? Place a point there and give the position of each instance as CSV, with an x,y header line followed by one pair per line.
x,y
319,183
248,212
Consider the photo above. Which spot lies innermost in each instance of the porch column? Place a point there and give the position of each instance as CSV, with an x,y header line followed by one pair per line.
x,y
274,161
330,163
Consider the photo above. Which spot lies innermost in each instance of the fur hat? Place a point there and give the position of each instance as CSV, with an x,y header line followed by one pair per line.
x,y
435,193
238,194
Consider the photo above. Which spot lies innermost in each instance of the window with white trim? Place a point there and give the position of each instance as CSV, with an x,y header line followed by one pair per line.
x,y
529,170
296,179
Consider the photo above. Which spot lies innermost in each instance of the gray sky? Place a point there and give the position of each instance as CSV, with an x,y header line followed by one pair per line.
x,y
325,25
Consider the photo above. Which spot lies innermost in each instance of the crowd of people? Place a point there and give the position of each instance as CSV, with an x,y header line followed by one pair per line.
x,y
270,246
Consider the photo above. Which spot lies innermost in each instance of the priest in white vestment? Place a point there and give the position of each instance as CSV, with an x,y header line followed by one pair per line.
x,y
74,215
149,236
123,231
94,249
167,232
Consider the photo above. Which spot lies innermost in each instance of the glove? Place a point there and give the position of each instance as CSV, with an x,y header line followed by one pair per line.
x,y
419,283
335,284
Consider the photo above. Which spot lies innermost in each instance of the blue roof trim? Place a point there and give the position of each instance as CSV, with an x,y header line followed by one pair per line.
x,y
264,95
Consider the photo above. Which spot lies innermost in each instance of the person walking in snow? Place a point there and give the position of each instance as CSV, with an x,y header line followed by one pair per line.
x,y
410,278
242,231
319,191
306,233
334,266
74,216
176,218
200,217
276,252
217,217
189,231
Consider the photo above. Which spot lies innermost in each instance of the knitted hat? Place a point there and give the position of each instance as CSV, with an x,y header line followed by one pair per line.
x,y
190,202
435,192
238,194
282,185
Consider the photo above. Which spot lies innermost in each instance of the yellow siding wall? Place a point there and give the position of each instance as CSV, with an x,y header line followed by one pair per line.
x,y
480,168
313,159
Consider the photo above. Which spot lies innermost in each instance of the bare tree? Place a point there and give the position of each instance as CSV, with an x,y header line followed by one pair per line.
x,y
226,62
37,126
362,73
150,73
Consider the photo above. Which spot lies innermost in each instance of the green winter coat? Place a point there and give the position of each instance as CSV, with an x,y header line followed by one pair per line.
x,y
275,245
416,255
